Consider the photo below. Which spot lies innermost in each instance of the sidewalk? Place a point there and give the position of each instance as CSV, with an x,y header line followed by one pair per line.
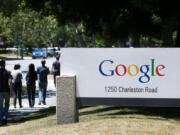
x,y
17,114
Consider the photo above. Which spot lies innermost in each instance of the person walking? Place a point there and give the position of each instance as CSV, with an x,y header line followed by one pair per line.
x,y
17,85
5,89
56,69
21,52
42,72
31,78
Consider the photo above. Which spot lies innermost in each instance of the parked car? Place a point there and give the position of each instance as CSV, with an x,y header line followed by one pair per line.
x,y
11,49
50,51
39,53
58,52
53,51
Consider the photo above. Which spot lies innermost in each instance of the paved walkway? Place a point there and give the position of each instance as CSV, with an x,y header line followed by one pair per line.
x,y
16,114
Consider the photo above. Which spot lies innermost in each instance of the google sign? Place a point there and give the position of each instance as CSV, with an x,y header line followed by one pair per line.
x,y
124,76
144,69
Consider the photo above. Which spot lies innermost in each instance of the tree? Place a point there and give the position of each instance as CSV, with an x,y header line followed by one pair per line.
x,y
26,28
29,29
169,13
114,22
7,7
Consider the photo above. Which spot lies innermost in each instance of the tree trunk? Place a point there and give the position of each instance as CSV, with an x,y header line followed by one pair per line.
x,y
178,34
149,42
82,43
23,33
135,40
167,32
1,3
167,38
94,40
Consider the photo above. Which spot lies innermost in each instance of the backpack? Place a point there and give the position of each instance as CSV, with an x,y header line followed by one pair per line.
x,y
43,75
18,78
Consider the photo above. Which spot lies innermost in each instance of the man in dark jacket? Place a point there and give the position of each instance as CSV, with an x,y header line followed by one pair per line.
x,y
5,86
42,72
56,69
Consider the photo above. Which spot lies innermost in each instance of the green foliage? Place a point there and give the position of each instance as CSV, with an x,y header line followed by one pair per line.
x,y
112,22
99,43
116,21
7,7
29,29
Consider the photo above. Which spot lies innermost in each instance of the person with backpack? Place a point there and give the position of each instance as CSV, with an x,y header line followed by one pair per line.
x,y
31,78
42,72
17,84
56,69
5,90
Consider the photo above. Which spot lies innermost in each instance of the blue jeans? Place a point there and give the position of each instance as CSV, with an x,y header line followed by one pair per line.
x,y
4,110
17,87
42,91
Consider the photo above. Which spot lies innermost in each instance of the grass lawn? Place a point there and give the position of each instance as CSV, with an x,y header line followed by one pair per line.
x,y
8,55
13,55
101,120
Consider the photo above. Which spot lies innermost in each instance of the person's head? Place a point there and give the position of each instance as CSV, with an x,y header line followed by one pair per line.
x,y
2,63
57,57
43,62
31,68
17,66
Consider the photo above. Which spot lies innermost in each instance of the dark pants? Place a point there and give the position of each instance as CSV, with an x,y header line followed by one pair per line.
x,y
31,94
55,74
17,87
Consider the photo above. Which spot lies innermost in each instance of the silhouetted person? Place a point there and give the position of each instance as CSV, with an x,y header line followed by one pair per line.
x,y
5,88
42,72
22,53
17,85
56,69
31,78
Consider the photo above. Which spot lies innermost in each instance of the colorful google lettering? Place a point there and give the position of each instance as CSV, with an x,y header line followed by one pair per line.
x,y
144,69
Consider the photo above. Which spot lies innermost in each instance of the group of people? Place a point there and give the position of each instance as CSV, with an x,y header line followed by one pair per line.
x,y
31,78
12,82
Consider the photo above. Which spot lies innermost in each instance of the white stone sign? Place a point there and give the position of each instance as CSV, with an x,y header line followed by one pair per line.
x,y
124,72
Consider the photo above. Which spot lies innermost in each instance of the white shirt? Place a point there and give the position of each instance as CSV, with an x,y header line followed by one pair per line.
x,y
15,73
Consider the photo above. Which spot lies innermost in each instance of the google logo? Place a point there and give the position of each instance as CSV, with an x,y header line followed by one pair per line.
x,y
127,70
